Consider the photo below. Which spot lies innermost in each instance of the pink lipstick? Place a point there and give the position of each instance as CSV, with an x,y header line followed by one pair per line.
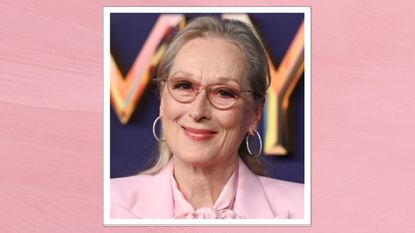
x,y
199,134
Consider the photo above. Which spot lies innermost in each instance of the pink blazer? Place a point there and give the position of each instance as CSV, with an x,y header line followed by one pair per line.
x,y
150,196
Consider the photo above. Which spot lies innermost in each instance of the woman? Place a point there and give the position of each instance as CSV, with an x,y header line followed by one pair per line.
x,y
212,81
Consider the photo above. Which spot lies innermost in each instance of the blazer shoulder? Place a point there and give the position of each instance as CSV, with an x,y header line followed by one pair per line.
x,y
142,196
126,190
285,195
281,186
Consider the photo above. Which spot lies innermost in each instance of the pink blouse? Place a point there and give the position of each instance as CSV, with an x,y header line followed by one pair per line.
x,y
222,209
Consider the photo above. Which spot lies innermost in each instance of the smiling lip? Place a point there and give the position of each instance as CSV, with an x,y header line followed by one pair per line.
x,y
199,134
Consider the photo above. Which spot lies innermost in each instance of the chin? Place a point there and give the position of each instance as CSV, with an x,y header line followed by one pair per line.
x,y
195,158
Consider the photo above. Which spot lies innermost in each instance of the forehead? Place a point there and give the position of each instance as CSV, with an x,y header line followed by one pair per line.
x,y
210,59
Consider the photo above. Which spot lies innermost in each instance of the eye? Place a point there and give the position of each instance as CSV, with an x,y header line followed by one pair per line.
x,y
225,93
182,85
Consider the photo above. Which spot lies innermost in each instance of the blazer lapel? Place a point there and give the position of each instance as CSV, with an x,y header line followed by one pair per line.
x,y
251,200
156,200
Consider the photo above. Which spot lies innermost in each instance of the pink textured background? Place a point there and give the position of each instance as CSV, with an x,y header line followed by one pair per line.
x,y
363,117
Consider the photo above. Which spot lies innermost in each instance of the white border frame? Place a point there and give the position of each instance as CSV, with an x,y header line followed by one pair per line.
x,y
307,120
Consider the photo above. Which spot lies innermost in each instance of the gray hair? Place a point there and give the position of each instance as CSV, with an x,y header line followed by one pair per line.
x,y
245,37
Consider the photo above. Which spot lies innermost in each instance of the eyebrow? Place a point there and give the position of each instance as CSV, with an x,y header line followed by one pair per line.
x,y
219,80
227,79
182,73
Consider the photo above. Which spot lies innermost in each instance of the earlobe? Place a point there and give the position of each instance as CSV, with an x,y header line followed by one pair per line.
x,y
257,118
253,125
161,110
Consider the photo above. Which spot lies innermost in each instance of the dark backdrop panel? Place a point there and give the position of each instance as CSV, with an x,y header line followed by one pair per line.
x,y
133,146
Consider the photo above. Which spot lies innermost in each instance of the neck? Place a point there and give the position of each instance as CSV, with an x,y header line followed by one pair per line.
x,y
201,185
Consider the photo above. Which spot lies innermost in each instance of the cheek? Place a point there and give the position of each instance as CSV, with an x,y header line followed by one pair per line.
x,y
169,108
237,121
170,111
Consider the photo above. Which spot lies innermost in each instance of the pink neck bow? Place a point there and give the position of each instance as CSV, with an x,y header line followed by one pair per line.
x,y
209,213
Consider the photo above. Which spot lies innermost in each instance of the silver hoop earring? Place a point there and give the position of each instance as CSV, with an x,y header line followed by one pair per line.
x,y
260,145
154,129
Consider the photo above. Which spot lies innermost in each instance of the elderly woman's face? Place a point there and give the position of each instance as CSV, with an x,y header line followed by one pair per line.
x,y
196,131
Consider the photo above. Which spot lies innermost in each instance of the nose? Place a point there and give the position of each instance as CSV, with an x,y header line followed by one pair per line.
x,y
200,107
